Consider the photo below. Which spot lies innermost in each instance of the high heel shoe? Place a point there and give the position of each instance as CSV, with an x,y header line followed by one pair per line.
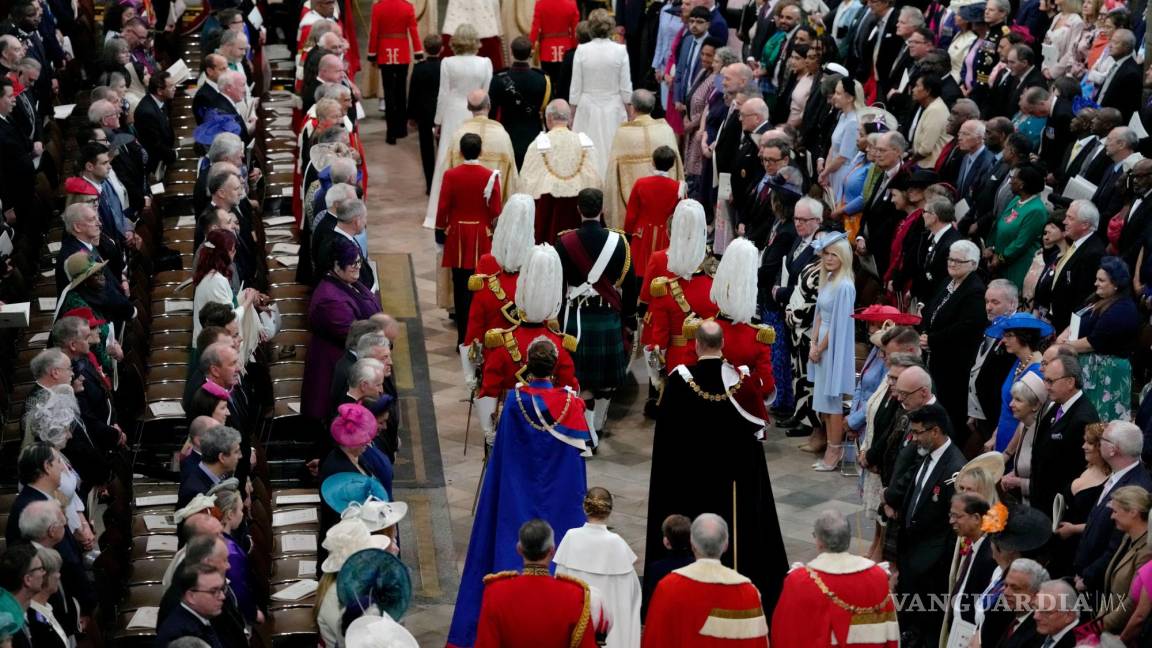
x,y
824,466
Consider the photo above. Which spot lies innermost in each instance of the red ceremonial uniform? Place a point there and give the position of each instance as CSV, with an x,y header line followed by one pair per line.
x,y
705,605
393,28
465,215
657,267
554,28
506,353
534,610
674,299
751,345
806,617
347,28
650,206
493,304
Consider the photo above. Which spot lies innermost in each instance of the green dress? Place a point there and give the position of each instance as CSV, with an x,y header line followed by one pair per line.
x,y
1016,236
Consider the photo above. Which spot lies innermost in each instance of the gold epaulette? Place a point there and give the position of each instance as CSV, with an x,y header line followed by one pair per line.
x,y
495,337
658,287
765,334
585,613
476,282
495,287
504,575
570,343
563,232
554,326
690,326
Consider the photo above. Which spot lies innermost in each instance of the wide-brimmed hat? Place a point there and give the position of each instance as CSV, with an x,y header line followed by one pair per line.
x,y
341,489
883,313
373,578
79,266
915,179
199,504
1026,529
378,632
973,13
1017,321
375,513
345,538
12,617
992,463
354,425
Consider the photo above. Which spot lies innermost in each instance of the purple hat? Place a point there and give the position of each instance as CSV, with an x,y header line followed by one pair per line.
x,y
354,426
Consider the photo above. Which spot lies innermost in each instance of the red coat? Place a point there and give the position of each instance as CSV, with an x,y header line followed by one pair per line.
x,y
554,28
534,611
751,345
657,267
466,216
392,20
806,618
650,207
506,353
717,608
493,299
666,315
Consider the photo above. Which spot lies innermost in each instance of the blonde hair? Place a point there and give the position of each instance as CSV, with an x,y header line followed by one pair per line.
x,y
600,23
1133,499
466,40
985,487
843,251
327,582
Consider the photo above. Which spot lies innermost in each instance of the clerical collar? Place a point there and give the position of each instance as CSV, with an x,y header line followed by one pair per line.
x,y
471,162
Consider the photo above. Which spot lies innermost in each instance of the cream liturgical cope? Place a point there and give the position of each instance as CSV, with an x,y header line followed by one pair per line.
x,y
559,163
631,159
604,560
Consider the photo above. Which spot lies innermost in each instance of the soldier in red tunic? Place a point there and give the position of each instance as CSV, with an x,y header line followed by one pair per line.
x,y
469,205
554,32
650,207
534,609
538,297
685,295
494,283
393,28
745,343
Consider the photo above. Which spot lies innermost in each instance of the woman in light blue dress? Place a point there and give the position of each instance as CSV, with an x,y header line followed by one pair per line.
x,y
848,97
832,358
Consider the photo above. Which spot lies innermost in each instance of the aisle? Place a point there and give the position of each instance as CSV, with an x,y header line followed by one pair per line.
x,y
440,482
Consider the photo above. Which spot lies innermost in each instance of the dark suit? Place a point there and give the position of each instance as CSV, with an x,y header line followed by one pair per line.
x,y
209,98
1034,78
990,381
748,168
96,406
979,572
105,251
1056,455
880,220
423,90
889,46
983,201
182,623
1132,234
977,173
1076,281
17,168
1001,630
26,496
926,536
1057,136
955,327
196,482
1101,539
1072,165
154,131
931,271
796,260
519,95
1122,91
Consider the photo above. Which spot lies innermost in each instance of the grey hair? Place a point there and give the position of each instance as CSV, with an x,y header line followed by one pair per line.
x,y
979,128
897,140
709,535
814,207
369,341
1086,213
558,111
227,498
943,209
225,145
1065,594
337,194
350,210
915,16
67,329
967,107
210,357
1127,437
643,101
188,642
905,360
1003,5
1035,572
1126,136
74,213
100,109
47,360
1036,96
1021,390
967,249
1126,37
229,37
50,560
331,91
727,56
30,64
51,414
229,78
217,441
38,518
342,170
831,530
364,370
1008,289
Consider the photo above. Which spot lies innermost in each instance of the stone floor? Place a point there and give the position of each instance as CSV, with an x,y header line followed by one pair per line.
x,y
440,533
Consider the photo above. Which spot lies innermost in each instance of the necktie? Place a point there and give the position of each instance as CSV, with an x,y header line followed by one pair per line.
x,y
1048,643
1060,264
921,477
967,166
1059,413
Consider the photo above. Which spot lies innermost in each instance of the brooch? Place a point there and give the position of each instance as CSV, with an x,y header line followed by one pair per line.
x,y
936,493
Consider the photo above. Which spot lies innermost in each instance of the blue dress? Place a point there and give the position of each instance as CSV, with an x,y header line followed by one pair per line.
x,y
1006,426
852,191
835,374
871,377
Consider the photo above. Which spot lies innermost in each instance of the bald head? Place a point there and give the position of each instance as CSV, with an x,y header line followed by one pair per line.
x,y
478,102
331,69
913,378
709,339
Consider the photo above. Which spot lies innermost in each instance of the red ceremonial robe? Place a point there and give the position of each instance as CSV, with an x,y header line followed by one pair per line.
x,y
705,605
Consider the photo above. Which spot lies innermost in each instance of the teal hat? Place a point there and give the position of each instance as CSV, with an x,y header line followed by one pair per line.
x,y
11,615
342,489
374,578
1017,321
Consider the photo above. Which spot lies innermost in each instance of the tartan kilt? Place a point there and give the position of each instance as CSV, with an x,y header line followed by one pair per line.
x,y
599,358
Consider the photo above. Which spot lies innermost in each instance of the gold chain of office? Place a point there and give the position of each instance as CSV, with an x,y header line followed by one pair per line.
x,y
854,609
549,169
543,428
716,398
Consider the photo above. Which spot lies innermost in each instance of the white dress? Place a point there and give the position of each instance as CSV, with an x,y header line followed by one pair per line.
x,y
459,75
483,15
604,560
69,482
601,86
214,287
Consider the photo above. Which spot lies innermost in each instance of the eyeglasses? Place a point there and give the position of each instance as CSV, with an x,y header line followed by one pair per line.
x,y
1052,381
771,159
923,430
959,261
1104,439
900,393
217,592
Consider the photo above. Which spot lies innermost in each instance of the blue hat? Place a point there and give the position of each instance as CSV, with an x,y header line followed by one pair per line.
x,y
1117,272
973,13
342,489
215,122
1018,321
373,578
12,617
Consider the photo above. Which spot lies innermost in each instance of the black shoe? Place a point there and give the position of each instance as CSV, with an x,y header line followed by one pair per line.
x,y
390,140
780,414
790,422
796,432
650,408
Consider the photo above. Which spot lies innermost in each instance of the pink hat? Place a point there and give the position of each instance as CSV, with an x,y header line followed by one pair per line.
x,y
354,426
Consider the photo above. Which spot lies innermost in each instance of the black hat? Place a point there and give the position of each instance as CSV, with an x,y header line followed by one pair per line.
x,y
1026,529
916,178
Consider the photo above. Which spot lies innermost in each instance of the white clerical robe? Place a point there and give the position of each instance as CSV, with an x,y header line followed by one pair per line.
x,y
560,163
631,159
604,560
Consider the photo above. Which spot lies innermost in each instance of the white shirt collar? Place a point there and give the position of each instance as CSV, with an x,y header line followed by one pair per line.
x,y
1065,630
1114,478
194,613
1077,242
344,234
1067,405
939,452
939,233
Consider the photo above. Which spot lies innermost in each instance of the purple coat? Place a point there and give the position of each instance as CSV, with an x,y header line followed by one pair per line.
x,y
335,305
